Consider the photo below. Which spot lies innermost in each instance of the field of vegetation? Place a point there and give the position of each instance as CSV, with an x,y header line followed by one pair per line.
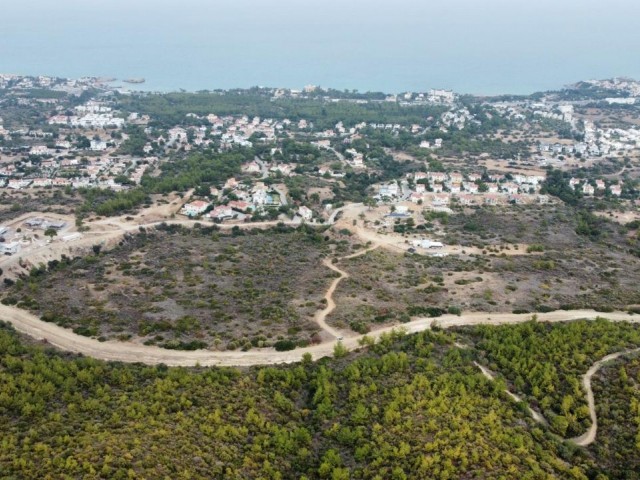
x,y
535,259
189,288
17,203
583,260
408,407
386,287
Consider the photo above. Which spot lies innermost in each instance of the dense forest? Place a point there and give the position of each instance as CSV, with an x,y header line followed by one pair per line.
x,y
405,407
408,407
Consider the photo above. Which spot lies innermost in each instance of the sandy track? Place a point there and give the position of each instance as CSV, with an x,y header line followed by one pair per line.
x,y
130,352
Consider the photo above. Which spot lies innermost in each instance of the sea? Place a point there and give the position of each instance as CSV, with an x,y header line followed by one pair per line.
x,y
470,46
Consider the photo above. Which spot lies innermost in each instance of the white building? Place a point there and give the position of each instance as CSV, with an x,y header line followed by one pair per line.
x,y
427,244
305,212
10,248
98,145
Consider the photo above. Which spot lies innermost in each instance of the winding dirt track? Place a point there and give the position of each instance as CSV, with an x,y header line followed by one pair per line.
x,y
321,316
588,437
131,352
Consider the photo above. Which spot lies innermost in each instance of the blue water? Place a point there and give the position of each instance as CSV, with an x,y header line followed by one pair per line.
x,y
472,46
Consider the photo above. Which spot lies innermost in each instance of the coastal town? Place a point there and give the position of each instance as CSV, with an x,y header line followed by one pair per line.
x,y
84,139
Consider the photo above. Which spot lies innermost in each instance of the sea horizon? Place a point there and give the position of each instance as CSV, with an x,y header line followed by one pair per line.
x,y
489,49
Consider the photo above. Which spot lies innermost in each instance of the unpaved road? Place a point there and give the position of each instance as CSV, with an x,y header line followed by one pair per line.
x,y
106,232
351,220
131,352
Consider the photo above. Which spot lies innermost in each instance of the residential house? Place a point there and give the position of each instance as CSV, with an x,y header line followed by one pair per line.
x,y
231,184
466,199
221,212
440,199
454,187
587,189
98,145
285,169
417,197
455,177
17,184
239,205
39,150
616,190
60,182
436,177
195,208
510,188
70,162
474,177
251,167
41,182
470,187
389,190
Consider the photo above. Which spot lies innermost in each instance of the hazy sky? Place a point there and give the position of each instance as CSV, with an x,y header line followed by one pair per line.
x,y
469,45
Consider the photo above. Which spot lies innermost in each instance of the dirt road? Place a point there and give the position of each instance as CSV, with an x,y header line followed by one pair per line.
x,y
351,220
130,352
106,232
